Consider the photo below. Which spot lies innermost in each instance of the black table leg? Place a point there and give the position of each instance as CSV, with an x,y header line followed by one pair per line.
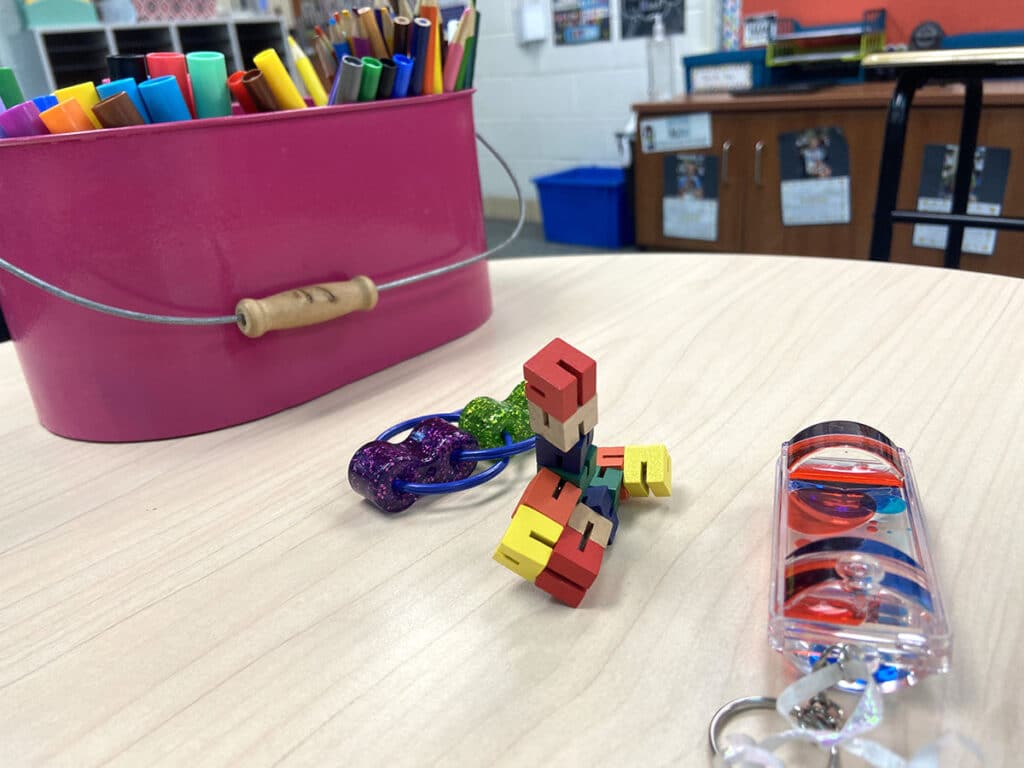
x,y
892,164
964,169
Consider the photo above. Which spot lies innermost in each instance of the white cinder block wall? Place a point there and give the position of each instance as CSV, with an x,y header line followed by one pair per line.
x,y
547,108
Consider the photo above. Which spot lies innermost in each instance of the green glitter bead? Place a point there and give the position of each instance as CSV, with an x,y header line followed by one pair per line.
x,y
518,396
517,420
484,419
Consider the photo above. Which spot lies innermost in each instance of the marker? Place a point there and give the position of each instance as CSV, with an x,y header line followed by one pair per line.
x,y
351,79
118,111
341,50
164,100
387,78
67,117
371,78
85,94
361,47
164,63
241,93
420,42
10,91
281,84
402,77
122,65
129,86
45,101
22,120
256,84
314,87
209,74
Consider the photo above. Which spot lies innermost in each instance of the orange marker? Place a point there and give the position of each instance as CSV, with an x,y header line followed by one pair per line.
x,y
67,117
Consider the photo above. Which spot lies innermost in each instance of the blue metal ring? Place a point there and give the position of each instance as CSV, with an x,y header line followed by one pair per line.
x,y
501,454
480,454
426,489
408,424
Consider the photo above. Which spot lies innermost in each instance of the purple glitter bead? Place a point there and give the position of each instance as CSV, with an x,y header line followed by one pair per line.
x,y
374,469
438,441
425,456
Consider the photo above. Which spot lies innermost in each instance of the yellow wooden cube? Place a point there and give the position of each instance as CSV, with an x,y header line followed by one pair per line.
x,y
528,541
647,468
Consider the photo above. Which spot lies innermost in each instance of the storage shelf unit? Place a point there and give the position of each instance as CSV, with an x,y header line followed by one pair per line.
x,y
51,58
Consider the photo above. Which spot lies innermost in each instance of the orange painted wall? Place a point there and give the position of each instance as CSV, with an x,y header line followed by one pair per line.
x,y
955,16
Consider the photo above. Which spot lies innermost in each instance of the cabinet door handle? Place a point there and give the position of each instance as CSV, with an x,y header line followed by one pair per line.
x,y
758,162
726,146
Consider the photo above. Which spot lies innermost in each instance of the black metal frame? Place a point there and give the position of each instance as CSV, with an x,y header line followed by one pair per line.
x,y
886,214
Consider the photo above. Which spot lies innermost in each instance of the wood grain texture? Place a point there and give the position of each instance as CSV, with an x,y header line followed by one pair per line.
x,y
225,599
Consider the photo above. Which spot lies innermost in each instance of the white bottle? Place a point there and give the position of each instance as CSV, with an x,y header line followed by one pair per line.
x,y
660,62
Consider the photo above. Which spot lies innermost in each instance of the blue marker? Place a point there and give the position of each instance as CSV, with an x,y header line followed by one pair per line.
x,y
163,99
44,102
129,86
341,50
402,77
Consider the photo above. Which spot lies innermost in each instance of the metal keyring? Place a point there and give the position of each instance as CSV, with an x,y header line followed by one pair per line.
x,y
728,711
747,704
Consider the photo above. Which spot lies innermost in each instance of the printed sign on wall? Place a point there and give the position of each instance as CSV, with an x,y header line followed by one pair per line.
x,y
581,21
814,165
935,194
689,204
637,16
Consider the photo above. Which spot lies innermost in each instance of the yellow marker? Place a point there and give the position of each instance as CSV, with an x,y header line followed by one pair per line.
x,y
86,95
527,544
647,467
281,84
305,66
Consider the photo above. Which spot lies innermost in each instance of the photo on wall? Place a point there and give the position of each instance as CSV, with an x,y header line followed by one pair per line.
x,y
689,204
636,17
581,21
814,165
935,194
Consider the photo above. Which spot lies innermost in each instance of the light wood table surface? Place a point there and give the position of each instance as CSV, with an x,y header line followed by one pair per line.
x,y
226,599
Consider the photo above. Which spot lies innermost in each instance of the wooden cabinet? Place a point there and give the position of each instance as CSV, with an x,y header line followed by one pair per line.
x,y
745,138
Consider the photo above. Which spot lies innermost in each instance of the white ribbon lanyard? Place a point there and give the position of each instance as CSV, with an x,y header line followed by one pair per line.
x,y
742,751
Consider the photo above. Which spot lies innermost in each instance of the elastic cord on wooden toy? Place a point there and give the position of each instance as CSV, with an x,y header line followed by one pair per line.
x,y
501,454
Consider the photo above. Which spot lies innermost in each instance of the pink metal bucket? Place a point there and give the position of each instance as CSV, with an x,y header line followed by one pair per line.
x,y
188,218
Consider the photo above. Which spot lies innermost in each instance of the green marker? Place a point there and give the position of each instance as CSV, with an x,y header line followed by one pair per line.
x,y
371,78
209,75
10,91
